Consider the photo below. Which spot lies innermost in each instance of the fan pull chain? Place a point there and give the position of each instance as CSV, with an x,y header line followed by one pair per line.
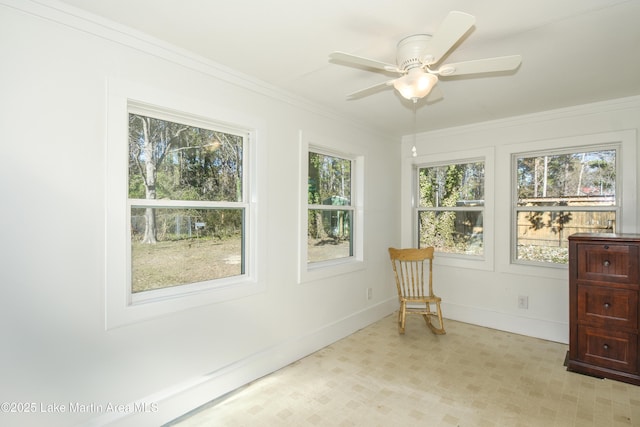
x,y
414,152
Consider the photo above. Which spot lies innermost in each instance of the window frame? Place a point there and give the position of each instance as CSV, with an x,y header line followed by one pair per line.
x,y
331,208
486,155
243,205
122,307
436,209
625,182
616,207
308,272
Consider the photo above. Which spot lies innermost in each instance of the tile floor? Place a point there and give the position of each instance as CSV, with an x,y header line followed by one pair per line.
x,y
472,376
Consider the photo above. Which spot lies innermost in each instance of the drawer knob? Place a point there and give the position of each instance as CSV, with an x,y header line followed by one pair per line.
x,y
606,246
607,305
606,346
606,263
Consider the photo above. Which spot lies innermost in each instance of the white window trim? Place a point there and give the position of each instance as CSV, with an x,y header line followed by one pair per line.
x,y
514,197
625,182
320,270
119,309
486,155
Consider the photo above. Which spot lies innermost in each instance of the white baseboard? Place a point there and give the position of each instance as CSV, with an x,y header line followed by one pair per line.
x,y
169,404
508,322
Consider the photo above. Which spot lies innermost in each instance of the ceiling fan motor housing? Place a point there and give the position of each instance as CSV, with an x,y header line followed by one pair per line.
x,y
413,52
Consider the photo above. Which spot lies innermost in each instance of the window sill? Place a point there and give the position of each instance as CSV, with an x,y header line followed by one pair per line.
x,y
462,261
121,312
326,269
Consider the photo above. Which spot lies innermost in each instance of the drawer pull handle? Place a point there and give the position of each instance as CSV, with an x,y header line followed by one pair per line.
x,y
606,246
607,305
607,263
606,346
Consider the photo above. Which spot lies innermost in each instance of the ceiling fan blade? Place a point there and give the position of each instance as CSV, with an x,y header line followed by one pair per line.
x,y
488,65
369,90
359,60
454,26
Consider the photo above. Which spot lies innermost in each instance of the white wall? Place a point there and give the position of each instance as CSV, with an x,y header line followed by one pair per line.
x,y
55,73
489,296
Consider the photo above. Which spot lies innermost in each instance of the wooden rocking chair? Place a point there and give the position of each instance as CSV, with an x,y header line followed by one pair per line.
x,y
410,267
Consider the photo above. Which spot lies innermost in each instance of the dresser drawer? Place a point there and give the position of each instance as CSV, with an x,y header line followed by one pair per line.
x,y
607,262
608,349
610,307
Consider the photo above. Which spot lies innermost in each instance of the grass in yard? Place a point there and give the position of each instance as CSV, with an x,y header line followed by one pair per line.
x,y
179,262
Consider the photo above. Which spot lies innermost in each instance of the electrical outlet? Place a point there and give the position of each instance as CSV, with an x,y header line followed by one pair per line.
x,y
523,302
369,293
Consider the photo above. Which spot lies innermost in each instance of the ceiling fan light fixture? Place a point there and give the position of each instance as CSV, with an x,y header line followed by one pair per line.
x,y
415,84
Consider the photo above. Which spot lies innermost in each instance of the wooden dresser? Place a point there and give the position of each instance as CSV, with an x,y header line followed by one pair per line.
x,y
604,274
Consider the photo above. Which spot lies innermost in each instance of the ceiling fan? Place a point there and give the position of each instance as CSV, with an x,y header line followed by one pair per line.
x,y
417,61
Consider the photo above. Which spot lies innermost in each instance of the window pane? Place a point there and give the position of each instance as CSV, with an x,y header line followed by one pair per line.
x,y
175,161
192,245
329,235
452,185
458,232
586,178
542,236
329,180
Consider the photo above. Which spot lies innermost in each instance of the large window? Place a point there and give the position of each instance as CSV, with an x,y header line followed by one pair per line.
x,y
330,212
561,192
451,206
184,226
186,202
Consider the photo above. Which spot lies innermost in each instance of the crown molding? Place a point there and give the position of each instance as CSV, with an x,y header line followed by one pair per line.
x,y
78,19
599,107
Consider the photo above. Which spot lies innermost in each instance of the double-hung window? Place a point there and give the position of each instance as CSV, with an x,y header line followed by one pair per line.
x,y
561,192
330,211
187,204
450,207
183,224
331,208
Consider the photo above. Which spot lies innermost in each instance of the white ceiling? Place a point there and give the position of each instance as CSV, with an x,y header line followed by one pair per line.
x,y
574,51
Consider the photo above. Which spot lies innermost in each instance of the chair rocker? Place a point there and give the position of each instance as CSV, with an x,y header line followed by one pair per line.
x,y
410,267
